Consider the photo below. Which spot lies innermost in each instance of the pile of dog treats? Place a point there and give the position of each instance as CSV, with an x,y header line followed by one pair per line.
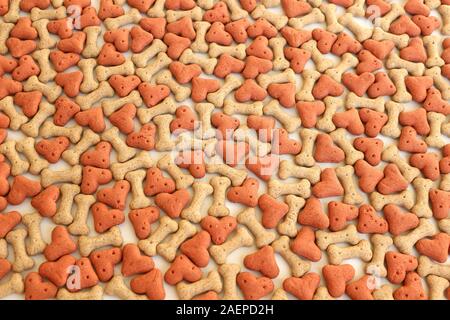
x,y
234,140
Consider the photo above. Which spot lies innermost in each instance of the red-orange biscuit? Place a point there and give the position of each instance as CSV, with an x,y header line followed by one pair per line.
x,y
440,203
263,261
412,288
184,120
328,186
60,27
116,196
327,86
218,13
99,157
109,56
426,24
141,5
196,248
383,86
417,119
227,64
51,149
123,118
9,87
142,219
217,34
368,175
371,147
45,201
173,203
255,66
140,39
283,92
294,8
104,261
324,39
367,62
312,214
143,139
304,244
379,49
345,43
260,48
150,284
262,27
435,248
409,142
414,7
225,124
194,161
358,84
107,9
74,44
156,26
393,180
5,171
184,73
398,264
38,289
124,85
179,4
218,228
61,245
340,213
133,262
250,90
238,30
182,27
176,45
415,51
56,271
349,120
9,221
105,218
25,69
156,183
246,194
30,4
309,111
86,278
272,210
182,269
370,222
153,94
326,151
297,58
302,288
252,287
362,288
263,125
373,121
282,144
93,177
65,110
434,102
18,48
92,118
21,188
7,65
119,38
427,163
336,278
404,25
202,86
70,82
398,220
418,86
377,8
295,38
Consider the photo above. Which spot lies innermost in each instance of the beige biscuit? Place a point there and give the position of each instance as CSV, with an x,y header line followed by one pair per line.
x,y
241,238
166,226
392,126
157,10
385,292
45,40
182,180
435,138
89,83
70,175
321,62
13,13
279,294
380,245
133,16
405,243
104,90
357,9
180,92
395,12
220,186
79,226
237,176
348,61
392,154
231,107
362,250
439,81
204,112
16,119
288,226
64,213
88,139
112,237
205,4
142,160
50,91
398,76
432,4
110,106
237,51
263,237
361,33
279,60
168,248
49,130
427,267
400,41
444,11
315,16
322,294
18,165
200,44
422,188
349,235
50,14
229,273
437,286
35,244
351,154
235,9
138,198
5,29
297,265
353,101
185,141
22,261
14,285
196,14
270,3
404,199
278,188
395,62
193,212
168,105
207,64
257,147
3,249
288,122
117,287
305,157
309,78
346,176
288,75
26,147
160,62
277,20
31,128
141,59
288,169
91,48
212,282
432,44
125,69
329,10
325,123
123,151
46,71
445,182
94,293
217,98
